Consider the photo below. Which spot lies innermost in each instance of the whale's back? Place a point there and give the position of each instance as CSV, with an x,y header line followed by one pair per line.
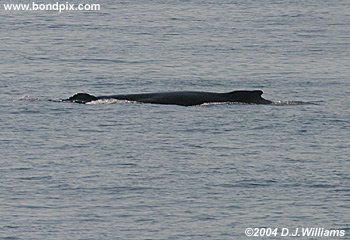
x,y
183,98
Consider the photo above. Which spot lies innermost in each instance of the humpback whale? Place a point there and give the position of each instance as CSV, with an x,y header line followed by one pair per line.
x,y
182,98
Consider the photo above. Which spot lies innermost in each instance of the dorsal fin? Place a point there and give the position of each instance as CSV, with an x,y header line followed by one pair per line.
x,y
247,96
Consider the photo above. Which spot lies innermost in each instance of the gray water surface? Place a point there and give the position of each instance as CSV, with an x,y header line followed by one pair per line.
x,y
142,171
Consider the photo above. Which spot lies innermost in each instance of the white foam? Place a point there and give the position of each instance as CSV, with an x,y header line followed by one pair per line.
x,y
109,101
283,103
28,98
223,103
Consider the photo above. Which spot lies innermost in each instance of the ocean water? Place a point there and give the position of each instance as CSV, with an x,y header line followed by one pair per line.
x,y
122,170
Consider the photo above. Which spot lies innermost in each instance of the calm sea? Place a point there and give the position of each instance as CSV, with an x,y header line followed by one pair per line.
x,y
143,171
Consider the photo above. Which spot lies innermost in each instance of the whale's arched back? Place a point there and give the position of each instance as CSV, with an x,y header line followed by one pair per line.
x,y
81,98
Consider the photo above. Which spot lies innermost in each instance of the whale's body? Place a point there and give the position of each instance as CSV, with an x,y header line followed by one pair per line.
x,y
183,98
